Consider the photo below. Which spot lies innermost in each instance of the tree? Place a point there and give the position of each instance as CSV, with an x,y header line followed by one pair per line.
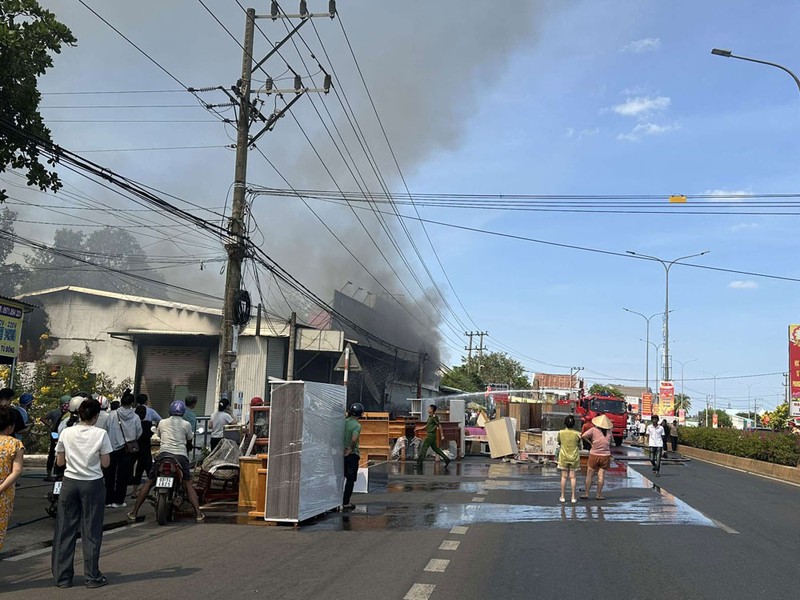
x,y
113,248
494,367
605,390
11,274
683,401
723,418
778,418
29,36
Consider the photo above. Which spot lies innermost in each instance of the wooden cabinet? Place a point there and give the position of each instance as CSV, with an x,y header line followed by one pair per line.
x,y
373,444
259,427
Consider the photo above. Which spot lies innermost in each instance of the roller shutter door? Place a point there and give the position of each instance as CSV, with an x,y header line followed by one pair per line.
x,y
168,373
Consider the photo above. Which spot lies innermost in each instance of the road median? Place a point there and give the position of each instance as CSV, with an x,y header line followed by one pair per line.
x,y
750,465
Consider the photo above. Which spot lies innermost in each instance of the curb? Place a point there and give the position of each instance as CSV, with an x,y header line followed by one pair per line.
x,y
749,465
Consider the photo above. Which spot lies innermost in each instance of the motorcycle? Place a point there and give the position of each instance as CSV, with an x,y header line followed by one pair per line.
x,y
168,494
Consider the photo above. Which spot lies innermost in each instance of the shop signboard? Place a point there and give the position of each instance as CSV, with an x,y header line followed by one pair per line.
x,y
647,403
10,330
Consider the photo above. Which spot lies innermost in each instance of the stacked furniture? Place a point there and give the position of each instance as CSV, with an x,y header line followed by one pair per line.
x,y
305,477
374,441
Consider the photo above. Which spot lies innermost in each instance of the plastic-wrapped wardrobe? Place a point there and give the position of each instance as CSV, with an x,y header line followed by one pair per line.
x,y
306,431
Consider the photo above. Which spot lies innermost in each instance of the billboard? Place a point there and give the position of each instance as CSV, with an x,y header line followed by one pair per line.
x,y
666,399
794,370
10,330
647,403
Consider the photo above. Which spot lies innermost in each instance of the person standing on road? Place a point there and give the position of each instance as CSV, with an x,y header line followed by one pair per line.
x,y
152,414
52,419
673,435
433,430
144,459
599,454
655,440
642,432
352,455
218,420
665,427
84,450
190,415
6,396
123,426
11,456
569,456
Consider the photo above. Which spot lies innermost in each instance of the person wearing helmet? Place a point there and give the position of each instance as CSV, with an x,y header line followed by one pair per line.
x,y
52,419
352,455
24,406
176,436
71,416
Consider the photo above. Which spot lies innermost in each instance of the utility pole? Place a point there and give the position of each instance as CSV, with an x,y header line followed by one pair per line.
x,y
423,357
292,343
469,334
481,347
237,244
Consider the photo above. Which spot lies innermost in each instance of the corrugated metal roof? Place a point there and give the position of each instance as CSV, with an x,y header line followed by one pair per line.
x,y
124,297
161,332
25,304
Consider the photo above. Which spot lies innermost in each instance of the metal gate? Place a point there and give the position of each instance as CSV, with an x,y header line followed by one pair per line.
x,y
167,373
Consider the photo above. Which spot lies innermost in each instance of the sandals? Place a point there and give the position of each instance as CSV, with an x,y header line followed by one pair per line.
x,y
199,518
561,499
584,497
601,497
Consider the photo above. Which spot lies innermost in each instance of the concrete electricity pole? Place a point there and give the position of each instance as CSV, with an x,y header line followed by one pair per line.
x,y
237,245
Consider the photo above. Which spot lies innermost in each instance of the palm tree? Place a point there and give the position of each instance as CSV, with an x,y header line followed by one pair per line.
x,y
683,401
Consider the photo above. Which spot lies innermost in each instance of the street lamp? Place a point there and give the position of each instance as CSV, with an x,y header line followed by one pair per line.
x,y
657,347
729,54
667,266
715,393
646,351
683,364
749,385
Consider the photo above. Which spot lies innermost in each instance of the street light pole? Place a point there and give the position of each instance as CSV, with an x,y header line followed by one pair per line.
x,y
749,385
729,54
667,266
683,364
646,351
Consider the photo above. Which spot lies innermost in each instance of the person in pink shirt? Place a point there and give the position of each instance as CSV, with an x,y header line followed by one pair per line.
x,y
599,454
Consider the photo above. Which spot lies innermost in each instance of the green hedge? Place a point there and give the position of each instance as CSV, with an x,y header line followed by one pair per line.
x,y
778,448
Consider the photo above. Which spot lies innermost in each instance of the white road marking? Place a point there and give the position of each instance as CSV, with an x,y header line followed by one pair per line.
x,y
459,530
19,557
478,499
419,591
725,528
449,545
437,565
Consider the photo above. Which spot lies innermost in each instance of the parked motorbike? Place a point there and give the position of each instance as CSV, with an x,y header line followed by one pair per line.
x,y
55,491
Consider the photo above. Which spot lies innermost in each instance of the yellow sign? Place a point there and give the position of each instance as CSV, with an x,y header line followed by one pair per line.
x,y
677,198
10,329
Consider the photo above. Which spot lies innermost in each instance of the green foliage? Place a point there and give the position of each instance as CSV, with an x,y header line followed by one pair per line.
x,y
605,390
495,367
778,418
114,248
12,274
723,418
773,447
29,36
683,401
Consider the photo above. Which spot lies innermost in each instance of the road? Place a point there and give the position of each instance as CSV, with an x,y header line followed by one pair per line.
x,y
481,529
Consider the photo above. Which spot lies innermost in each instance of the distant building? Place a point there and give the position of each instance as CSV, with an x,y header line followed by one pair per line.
x,y
556,387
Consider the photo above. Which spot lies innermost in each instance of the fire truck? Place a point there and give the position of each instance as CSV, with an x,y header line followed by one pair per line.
x,y
614,408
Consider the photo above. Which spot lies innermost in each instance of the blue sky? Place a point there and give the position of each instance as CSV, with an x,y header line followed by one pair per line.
x,y
582,98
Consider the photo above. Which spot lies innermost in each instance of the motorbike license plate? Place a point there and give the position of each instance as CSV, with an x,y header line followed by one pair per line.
x,y
57,488
164,482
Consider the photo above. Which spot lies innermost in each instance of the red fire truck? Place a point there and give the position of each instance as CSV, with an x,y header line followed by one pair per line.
x,y
614,408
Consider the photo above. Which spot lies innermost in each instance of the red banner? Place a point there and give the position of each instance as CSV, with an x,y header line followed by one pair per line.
x,y
794,361
666,399
647,403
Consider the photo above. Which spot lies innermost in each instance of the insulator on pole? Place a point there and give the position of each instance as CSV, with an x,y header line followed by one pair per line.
x,y
332,8
273,11
327,85
269,85
298,83
303,8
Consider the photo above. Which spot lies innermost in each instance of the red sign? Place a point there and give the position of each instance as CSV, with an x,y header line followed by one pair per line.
x,y
794,361
666,399
647,403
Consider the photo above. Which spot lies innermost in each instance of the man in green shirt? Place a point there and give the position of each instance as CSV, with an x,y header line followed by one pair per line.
x,y
352,432
433,431
190,415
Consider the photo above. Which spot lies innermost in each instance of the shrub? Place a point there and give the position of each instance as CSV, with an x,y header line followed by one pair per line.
x,y
773,447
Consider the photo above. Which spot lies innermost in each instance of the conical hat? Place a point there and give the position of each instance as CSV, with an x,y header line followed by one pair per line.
x,y
603,422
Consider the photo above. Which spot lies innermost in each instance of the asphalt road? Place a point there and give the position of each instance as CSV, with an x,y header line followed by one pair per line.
x,y
480,529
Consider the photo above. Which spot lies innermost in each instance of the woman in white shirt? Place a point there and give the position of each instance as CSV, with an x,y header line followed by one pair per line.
x,y
85,450
218,420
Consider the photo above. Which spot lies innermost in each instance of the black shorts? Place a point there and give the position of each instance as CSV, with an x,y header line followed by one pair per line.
x,y
351,467
182,461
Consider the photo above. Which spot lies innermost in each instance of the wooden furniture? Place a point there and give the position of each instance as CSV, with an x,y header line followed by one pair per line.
x,y
259,427
248,481
373,443
221,485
